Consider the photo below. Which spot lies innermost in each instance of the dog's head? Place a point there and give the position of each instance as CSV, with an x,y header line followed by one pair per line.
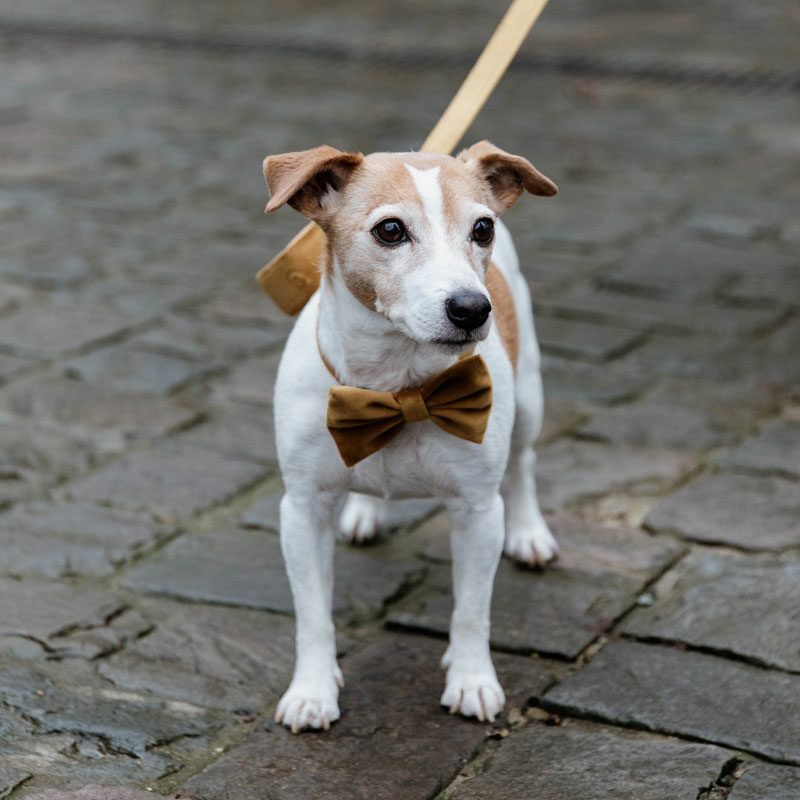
x,y
411,233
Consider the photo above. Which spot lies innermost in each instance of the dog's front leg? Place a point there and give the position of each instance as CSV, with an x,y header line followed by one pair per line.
x,y
476,542
307,546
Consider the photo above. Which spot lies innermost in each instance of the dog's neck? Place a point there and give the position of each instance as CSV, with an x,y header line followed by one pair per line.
x,y
365,349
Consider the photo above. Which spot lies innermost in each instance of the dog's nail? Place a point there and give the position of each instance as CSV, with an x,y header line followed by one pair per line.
x,y
326,724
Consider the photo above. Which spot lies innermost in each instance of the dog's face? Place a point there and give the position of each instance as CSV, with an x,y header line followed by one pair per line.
x,y
411,233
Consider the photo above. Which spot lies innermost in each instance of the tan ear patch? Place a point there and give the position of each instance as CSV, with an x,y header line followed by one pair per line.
x,y
507,175
303,178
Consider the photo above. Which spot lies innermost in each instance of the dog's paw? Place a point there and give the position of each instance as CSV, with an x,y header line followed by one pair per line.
x,y
531,543
309,706
473,695
360,517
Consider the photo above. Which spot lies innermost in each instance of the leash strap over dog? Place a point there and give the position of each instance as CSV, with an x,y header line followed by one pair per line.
x,y
293,275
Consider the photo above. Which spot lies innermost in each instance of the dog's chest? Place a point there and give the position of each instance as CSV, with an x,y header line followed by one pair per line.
x,y
422,462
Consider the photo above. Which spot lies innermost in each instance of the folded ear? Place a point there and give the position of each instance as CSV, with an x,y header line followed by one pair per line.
x,y
309,179
506,175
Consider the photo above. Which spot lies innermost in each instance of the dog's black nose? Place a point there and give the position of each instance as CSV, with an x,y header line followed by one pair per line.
x,y
468,310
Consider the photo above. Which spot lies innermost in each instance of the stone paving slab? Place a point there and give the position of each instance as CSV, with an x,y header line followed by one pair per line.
x,y
127,722
776,450
209,656
10,779
584,384
32,459
94,792
734,603
56,620
672,265
590,762
46,332
655,424
667,315
61,539
584,340
750,512
560,610
691,694
767,782
125,368
569,471
99,414
252,382
240,432
166,482
245,568
390,701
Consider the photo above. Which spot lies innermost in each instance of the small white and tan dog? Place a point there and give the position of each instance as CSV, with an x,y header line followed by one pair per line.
x,y
403,295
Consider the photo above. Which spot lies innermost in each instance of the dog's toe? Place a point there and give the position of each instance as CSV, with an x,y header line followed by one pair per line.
x,y
360,517
478,696
532,545
307,707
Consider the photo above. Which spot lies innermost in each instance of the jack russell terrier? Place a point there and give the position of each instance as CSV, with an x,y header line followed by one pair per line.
x,y
397,355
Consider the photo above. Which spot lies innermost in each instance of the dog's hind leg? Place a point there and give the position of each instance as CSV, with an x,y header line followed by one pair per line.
x,y
476,541
361,516
528,538
311,701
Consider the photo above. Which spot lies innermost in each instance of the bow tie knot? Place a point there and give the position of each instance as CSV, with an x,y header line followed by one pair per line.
x,y
412,405
458,401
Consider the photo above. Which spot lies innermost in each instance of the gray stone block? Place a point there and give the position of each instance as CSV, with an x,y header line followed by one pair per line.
x,y
52,330
688,694
749,512
97,414
245,568
569,471
583,762
56,620
732,603
775,450
767,782
168,483
63,539
584,340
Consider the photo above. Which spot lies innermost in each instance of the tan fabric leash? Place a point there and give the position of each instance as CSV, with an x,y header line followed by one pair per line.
x,y
293,275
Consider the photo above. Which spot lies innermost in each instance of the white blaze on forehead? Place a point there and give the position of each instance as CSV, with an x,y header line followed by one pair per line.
x,y
426,182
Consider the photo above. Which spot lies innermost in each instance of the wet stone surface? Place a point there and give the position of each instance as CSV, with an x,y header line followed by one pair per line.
x,y
767,782
245,568
603,764
750,512
730,602
677,692
61,539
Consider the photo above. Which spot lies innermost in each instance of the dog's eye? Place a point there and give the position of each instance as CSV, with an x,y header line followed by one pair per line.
x,y
390,231
483,231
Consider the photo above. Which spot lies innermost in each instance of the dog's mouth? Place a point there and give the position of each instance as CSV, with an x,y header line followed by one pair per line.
x,y
454,345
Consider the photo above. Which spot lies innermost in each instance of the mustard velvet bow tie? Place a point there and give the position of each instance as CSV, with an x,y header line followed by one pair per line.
x,y
458,400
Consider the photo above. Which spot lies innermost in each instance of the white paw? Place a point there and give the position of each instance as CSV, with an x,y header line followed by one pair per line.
x,y
473,695
531,543
360,517
309,705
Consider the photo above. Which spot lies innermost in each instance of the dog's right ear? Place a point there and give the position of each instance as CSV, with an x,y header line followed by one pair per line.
x,y
309,179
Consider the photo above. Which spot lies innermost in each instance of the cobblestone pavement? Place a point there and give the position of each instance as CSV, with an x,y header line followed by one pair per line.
x,y
146,631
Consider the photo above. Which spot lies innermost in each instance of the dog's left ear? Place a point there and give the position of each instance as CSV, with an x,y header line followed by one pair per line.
x,y
307,178
506,175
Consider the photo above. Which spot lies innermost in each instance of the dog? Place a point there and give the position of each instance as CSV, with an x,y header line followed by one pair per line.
x,y
419,280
